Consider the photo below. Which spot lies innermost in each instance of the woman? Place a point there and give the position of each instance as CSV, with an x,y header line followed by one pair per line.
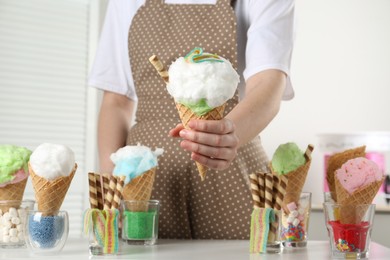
x,y
220,206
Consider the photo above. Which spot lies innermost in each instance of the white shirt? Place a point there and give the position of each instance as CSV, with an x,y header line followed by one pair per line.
x,y
264,32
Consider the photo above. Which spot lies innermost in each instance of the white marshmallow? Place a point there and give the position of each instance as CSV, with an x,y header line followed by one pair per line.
x,y
6,239
19,227
7,224
294,213
301,211
13,212
290,219
15,220
6,216
5,231
13,232
296,222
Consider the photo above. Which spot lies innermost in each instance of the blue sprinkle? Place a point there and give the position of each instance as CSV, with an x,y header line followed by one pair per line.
x,y
45,231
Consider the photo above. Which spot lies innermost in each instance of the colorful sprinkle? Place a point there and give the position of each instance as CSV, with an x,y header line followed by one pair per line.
x,y
197,56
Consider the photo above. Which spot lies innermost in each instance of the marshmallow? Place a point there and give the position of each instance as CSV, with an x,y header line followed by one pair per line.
x,y
19,227
296,222
13,232
7,224
13,212
5,231
290,219
6,216
6,238
294,213
292,206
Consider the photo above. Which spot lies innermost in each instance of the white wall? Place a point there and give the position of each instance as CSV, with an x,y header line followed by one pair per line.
x,y
340,73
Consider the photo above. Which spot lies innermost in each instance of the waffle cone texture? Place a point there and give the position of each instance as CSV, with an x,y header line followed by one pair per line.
x,y
49,195
140,188
13,192
353,206
296,181
186,114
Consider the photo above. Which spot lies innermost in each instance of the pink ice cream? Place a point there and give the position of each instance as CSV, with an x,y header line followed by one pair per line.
x,y
357,173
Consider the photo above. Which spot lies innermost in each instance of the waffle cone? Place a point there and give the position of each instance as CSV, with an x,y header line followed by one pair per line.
x,y
140,188
353,206
186,115
295,181
336,161
13,192
50,194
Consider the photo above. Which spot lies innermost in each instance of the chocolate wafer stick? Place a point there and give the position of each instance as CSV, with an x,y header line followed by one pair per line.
x,y
158,65
99,192
308,152
110,193
92,190
105,185
268,191
120,181
255,190
261,181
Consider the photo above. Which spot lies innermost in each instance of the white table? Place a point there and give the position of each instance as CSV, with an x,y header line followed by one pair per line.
x,y
77,248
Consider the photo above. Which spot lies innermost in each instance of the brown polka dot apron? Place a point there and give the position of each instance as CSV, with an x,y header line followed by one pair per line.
x,y
219,207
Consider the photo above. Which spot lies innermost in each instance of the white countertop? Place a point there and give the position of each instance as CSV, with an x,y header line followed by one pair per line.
x,y
77,248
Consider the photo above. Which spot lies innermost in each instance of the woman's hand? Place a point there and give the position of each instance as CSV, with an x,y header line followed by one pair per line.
x,y
212,143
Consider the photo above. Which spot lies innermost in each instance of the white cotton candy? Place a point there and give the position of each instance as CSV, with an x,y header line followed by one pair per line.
x,y
214,81
51,161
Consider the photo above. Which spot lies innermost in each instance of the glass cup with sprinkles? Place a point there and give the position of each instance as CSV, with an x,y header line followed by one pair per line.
x,y
140,222
349,228
46,232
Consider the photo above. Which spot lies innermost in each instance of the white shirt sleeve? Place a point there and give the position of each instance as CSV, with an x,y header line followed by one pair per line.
x,y
111,69
270,38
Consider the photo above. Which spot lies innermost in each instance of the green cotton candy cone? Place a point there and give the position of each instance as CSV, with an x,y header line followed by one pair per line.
x,y
12,159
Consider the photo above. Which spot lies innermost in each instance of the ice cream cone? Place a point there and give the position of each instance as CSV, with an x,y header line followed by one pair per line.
x,y
13,192
296,179
50,194
354,206
336,161
186,114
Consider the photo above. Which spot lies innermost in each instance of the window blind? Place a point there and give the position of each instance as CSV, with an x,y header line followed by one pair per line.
x,y
43,70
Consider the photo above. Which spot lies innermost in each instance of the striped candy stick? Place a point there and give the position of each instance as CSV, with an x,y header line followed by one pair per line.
x,y
158,65
92,191
99,192
255,190
261,181
118,192
110,193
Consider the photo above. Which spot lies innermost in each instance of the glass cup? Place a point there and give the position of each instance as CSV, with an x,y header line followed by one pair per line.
x,y
295,219
46,232
274,245
102,228
349,228
140,222
12,218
